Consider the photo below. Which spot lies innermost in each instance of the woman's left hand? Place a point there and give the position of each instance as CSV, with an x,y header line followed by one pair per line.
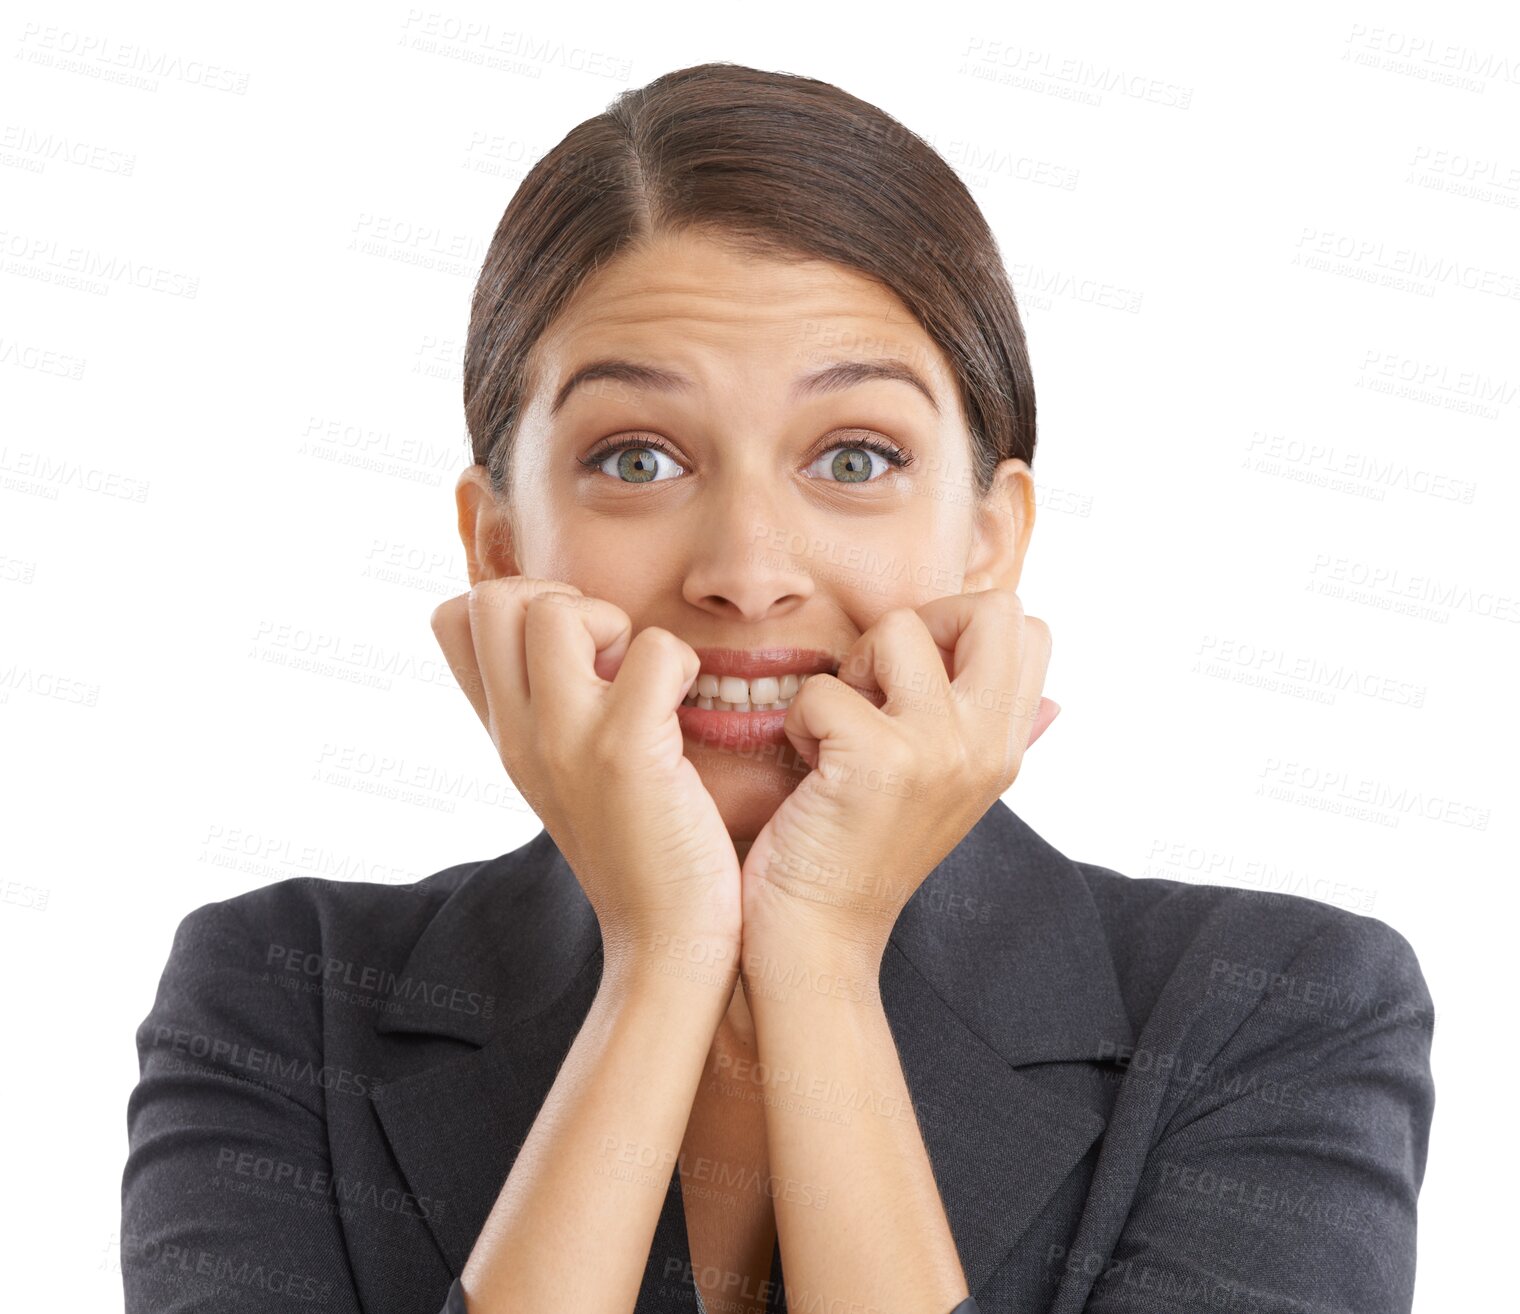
x,y
923,728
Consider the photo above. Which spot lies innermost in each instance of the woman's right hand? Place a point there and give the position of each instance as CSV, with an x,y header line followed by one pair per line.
x,y
583,715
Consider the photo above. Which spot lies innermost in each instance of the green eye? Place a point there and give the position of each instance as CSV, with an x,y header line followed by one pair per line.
x,y
637,465
862,462
852,465
634,463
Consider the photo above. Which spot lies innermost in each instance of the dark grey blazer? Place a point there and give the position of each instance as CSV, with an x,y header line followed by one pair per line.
x,y
1137,1095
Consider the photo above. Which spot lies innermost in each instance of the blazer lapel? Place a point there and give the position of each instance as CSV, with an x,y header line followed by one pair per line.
x,y
997,962
512,936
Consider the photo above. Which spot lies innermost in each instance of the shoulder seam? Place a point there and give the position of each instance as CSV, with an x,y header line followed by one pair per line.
x,y
247,931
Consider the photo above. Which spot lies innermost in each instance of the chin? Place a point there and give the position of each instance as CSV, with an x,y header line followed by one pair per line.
x,y
747,790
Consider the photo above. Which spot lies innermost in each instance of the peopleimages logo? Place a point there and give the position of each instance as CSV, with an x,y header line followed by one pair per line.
x,y
380,981
227,1272
341,1189
251,1058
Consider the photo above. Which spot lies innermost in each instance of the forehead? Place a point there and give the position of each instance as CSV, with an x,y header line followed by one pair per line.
x,y
689,301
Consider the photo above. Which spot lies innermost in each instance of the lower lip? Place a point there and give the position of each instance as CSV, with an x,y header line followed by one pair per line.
x,y
732,731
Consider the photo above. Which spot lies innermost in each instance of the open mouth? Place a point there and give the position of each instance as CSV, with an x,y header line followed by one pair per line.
x,y
739,701
735,693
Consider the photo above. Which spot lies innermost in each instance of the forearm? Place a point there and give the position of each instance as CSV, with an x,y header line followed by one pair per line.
x,y
839,1119
574,1221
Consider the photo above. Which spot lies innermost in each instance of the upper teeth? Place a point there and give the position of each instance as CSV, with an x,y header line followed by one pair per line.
x,y
733,693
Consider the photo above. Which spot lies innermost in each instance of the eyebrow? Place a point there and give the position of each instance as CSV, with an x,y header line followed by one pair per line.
x,y
834,377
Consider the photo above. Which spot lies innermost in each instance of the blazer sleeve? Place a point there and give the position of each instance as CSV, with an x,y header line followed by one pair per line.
x,y
230,1102
1287,1180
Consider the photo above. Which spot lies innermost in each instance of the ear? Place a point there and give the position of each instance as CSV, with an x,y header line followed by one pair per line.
x,y
485,527
1004,521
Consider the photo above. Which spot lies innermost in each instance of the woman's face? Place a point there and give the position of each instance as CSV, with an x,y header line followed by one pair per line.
x,y
748,510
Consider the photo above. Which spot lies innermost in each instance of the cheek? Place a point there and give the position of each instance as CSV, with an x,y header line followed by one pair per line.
x,y
903,561
558,544
615,563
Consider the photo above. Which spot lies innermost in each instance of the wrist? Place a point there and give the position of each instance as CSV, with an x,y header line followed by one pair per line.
x,y
660,965
802,970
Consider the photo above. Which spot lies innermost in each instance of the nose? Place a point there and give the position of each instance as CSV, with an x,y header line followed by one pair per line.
x,y
744,564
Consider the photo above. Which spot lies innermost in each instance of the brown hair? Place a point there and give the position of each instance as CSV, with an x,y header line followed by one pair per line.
x,y
770,163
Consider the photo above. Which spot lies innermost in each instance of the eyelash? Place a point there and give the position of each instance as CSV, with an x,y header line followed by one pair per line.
x,y
888,451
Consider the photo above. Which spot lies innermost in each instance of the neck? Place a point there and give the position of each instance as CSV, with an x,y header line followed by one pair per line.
x,y
736,1030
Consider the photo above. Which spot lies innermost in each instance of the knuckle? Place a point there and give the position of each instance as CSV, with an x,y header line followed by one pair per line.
x,y
491,595
657,636
540,607
539,590
1007,601
899,755
663,641
551,609
821,685
450,618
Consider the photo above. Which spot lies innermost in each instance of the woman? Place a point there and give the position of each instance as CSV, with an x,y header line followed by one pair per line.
x,y
753,419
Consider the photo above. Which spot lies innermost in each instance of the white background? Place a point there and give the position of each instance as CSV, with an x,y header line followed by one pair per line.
x,y
1276,545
